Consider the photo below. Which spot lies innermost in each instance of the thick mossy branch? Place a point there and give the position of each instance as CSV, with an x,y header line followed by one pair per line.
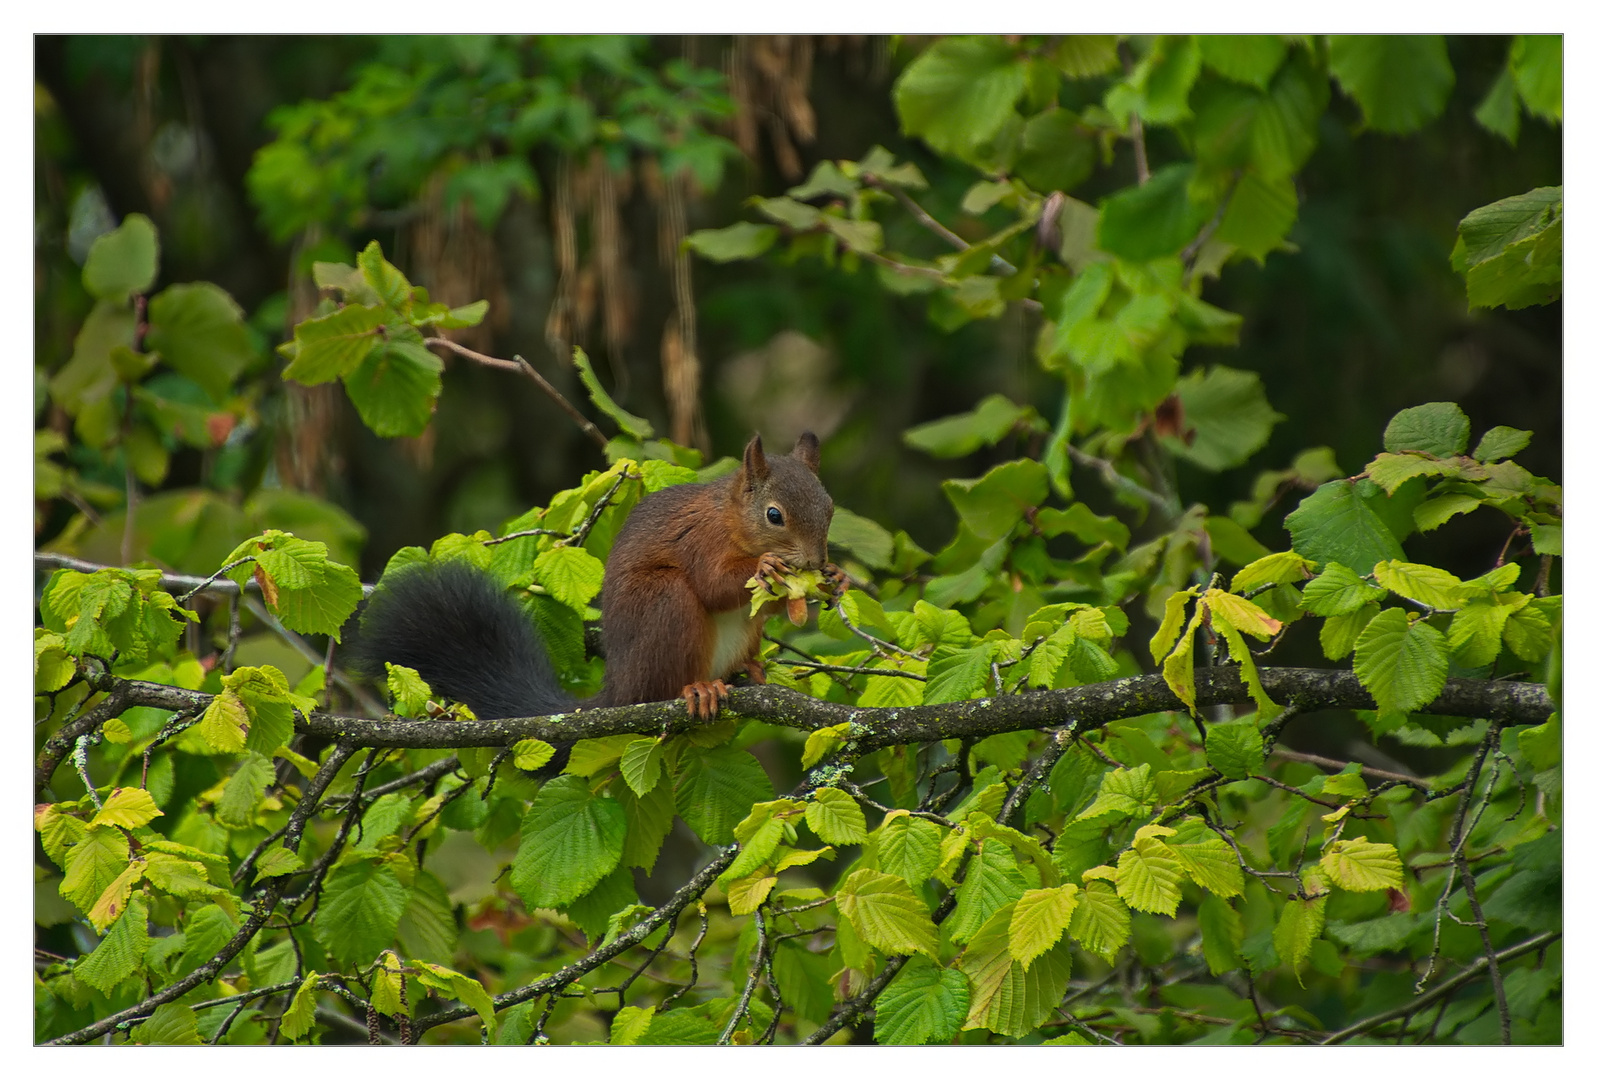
x,y
1090,707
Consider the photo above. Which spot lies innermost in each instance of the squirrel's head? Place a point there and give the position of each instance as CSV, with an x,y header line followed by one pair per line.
x,y
787,510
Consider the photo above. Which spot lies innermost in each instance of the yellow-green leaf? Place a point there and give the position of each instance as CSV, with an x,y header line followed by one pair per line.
x,y
128,807
835,817
887,913
1361,866
1039,920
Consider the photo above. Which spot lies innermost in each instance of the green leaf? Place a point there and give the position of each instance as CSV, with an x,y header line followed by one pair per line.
x,y
172,1024
1296,932
1341,632
1221,929
1392,471
384,278
1178,665
1401,81
743,240
199,330
1239,614
121,952
242,795
1101,923
1081,56
996,503
1243,58
53,666
1424,584
640,764
1039,921
958,675
835,817
1403,664
1057,151
1259,215
789,212
1529,631
1475,636
334,345
1498,111
1439,429
1005,996
359,910
92,864
1537,61
59,832
1285,128
1339,591
531,754
395,387
1501,442
1512,251
1338,523
886,913
959,93
1286,567
1212,865
908,847
1236,750
300,1016
1438,509
870,543
1361,866
965,433
1153,219
924,1003
992,880
1228,414
822,741
407,690
113,900
123,261
715,789
128,807
571,574
634,426
570,839
1149,878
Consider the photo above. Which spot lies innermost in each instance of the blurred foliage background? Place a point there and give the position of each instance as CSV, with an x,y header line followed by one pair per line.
x,y
530,171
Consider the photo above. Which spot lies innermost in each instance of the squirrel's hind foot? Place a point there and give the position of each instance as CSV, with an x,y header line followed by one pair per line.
x,y
705,698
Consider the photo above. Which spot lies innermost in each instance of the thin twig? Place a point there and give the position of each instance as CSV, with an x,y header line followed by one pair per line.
x,y
263,908
1441,990
1338,766
1115,479
585,425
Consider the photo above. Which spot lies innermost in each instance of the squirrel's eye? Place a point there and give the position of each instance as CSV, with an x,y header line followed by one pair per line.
x,y
773,515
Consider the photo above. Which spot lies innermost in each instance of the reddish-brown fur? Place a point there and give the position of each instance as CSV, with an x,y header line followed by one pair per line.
x,y
677,576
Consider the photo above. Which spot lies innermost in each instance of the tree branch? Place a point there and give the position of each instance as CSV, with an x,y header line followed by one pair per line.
x,y
1090,707
1474,971
263,909
585,425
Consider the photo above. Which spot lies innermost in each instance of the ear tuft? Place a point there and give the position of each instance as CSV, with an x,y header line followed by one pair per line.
x,y
808,450
755,467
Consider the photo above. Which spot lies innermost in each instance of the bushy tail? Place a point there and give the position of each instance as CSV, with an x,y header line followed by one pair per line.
x,y
465,635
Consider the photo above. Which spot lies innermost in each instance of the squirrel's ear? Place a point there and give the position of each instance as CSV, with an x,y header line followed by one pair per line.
x,y
755,467
808,450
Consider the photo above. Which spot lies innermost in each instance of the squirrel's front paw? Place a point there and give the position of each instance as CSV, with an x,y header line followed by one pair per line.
x,y
835,580
771,569
704,699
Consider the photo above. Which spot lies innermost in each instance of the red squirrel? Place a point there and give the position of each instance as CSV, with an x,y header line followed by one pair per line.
x,y
675,600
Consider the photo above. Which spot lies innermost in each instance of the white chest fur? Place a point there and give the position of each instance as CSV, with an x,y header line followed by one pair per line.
x,y
735,635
